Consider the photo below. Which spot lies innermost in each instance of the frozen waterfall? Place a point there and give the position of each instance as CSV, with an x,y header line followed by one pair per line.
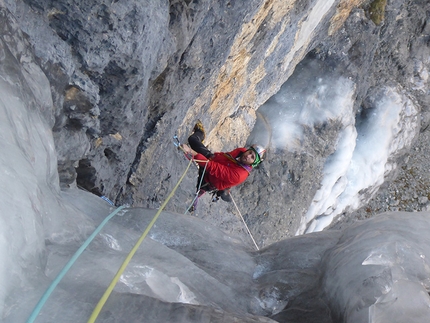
x,y
366,146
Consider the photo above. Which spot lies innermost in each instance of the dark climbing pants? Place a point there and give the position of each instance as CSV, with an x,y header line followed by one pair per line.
x,y
195,141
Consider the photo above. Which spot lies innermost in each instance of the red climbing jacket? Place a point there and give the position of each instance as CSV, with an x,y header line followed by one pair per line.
x,y
222,170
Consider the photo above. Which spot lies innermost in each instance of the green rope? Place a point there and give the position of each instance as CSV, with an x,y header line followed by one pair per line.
x,y
66,268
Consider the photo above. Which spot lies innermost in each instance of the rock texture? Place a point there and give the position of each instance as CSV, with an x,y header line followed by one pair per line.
x,y
125,76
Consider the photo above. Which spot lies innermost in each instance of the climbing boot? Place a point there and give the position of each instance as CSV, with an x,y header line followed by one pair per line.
x,y
225,195
199,127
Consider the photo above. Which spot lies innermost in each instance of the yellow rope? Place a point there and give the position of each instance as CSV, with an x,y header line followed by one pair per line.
x,y
108,291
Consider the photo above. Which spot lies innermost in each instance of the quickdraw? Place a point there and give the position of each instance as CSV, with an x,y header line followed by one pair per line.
x,y
176,141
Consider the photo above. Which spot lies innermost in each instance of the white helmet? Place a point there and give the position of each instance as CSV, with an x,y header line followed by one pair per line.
x,y
259,154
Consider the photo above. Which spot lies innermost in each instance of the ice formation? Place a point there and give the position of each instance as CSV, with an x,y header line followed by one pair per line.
x,y
366,147
186,270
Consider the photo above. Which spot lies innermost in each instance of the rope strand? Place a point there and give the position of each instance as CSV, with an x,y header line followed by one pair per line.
x,y
198,189
69,264
111,286
196,196
240,214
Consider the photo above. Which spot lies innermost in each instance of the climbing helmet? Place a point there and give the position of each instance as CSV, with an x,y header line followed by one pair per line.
x,y
259,154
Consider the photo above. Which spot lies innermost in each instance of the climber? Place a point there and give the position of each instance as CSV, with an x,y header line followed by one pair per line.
x,y
223,170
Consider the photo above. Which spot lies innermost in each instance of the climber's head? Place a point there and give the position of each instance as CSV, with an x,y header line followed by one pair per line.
x,y
259,154
253,156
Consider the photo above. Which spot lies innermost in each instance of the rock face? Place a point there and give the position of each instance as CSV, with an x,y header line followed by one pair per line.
x,y
126,76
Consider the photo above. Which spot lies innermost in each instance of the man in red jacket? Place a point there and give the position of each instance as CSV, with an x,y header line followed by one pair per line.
x,y
221,170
